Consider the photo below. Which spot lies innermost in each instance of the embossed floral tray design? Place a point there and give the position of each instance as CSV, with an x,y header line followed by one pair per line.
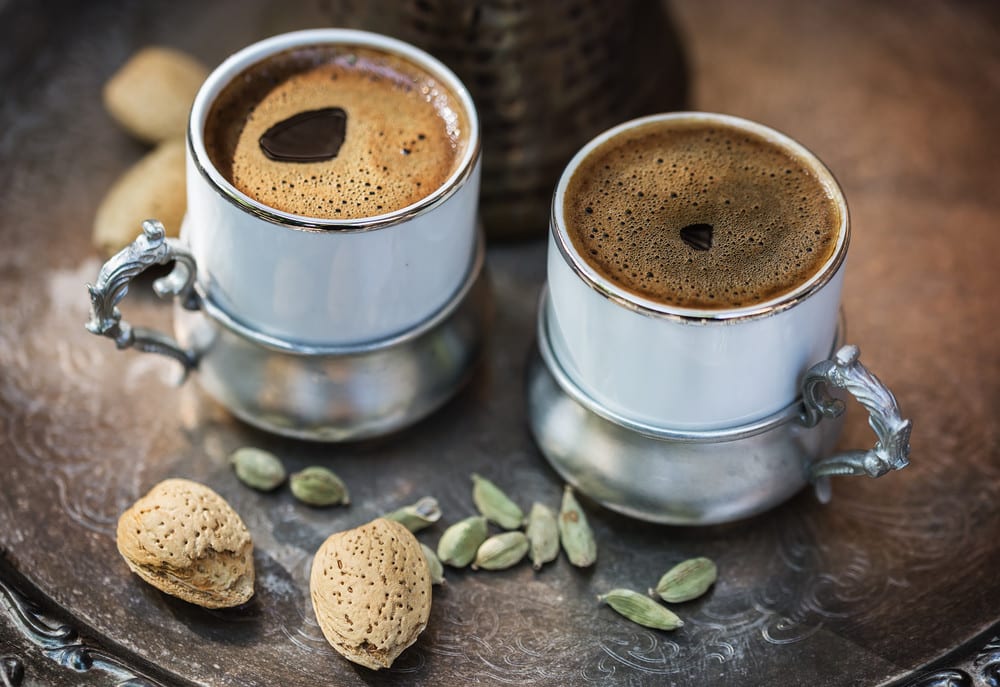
x,y
894,582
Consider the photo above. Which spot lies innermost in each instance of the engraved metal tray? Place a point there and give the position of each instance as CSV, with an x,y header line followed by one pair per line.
x,y
896,581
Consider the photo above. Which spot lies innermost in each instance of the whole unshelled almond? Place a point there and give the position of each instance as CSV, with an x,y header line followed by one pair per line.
x,y
185,540
371,591
151,94
153,188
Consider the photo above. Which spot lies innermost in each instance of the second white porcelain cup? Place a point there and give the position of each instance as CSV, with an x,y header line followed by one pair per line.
x,y
683,368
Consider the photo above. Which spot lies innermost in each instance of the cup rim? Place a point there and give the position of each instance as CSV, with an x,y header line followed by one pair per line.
x,y
606,288
223,74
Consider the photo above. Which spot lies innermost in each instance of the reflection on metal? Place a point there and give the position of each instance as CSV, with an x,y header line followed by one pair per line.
x,y
705,477
60,643
341,393
323,393
150,248
845,371
982,669
11,671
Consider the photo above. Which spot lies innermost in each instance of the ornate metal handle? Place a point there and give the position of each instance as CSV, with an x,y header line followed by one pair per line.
x,y
150,248
892,448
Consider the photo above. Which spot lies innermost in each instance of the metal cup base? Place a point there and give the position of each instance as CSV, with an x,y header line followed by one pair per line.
x,y
340,393
665,476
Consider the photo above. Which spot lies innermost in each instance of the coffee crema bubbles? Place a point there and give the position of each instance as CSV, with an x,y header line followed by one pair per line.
x,y
336,132
700,216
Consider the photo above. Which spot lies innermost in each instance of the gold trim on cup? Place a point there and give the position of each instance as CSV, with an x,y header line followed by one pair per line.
x,y
650,308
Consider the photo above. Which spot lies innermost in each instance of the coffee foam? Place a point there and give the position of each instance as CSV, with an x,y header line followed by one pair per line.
x,y
403,132
774,224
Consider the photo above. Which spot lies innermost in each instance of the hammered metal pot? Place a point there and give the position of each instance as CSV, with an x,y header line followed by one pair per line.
x,y
546,77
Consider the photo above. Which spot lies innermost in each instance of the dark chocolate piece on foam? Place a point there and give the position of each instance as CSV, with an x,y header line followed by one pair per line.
x,y
311,136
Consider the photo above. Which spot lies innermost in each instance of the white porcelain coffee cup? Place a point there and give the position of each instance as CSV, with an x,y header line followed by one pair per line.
x,y
330,330
325,281
682,368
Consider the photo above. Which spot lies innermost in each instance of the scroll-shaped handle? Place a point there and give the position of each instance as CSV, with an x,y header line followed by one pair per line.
x,y
150,248
892,447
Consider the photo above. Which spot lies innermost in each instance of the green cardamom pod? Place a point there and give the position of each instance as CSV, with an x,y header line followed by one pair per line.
x,y
437,570
318,486
501,551
575,533
459,543
543,535
687,580
495,505
257,468
417,516
641,609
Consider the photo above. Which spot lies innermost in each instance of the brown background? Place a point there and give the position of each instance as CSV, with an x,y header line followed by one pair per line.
x,y
899,99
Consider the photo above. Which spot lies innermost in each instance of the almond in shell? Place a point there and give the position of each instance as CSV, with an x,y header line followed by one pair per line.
x,y
371,591
153,188
187,541
151,94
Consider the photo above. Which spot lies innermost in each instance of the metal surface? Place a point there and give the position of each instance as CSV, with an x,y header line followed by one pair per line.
x,y
659,475
333,393
894,582
343,393
845,371
716,476
149,249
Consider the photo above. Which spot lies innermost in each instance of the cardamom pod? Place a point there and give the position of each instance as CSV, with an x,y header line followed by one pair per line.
x,y
501,551
687,580
459,543
437,570
318,486
257,468
543,535
641,609
417,516
495,505
575,533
